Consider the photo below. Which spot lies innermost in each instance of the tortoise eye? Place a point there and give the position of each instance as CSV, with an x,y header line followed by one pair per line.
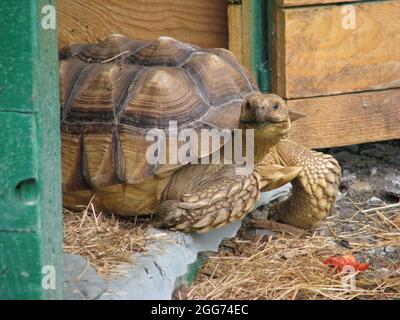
x,y
275,106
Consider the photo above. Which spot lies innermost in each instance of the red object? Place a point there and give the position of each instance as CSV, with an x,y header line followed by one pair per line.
x,y
340,262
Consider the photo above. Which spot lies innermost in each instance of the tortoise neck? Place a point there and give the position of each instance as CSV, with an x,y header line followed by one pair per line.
x,y
264,138
263,143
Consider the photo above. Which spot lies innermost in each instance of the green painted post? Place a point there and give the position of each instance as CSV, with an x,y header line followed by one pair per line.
x,y
255,15
260,43
30,179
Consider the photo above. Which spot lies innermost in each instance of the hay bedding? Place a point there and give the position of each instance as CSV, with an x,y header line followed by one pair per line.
x,y
290,267
286,267
105,240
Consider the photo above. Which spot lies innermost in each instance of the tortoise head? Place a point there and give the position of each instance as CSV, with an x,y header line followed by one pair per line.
x,y
268,113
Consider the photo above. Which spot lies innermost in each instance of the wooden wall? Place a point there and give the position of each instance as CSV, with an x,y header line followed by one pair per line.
x,y
318,56
202,22
345,79
346,119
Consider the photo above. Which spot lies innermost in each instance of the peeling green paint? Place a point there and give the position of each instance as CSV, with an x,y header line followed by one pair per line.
x,y
30,179
260,42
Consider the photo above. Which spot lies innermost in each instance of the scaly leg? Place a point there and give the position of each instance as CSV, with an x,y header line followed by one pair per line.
x,y
204,197
274,175
314,188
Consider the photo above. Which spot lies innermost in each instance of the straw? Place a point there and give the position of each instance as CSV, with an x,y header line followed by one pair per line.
x,y
105,240
290,267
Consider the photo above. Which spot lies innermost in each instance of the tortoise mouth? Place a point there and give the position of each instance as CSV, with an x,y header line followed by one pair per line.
x,y
268,127
264,122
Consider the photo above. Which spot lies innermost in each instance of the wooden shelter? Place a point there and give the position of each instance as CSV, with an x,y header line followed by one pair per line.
x,y
339,61
336,60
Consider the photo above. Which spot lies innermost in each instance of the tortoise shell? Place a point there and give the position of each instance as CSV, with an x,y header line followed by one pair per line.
x,y
112,93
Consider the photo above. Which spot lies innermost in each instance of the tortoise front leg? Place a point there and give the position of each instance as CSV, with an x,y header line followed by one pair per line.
x,y
314,188
204,197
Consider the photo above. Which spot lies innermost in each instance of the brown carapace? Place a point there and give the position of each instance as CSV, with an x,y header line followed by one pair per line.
x,y
114,93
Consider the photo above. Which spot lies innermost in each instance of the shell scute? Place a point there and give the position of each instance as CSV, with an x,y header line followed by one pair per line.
x,y
115,91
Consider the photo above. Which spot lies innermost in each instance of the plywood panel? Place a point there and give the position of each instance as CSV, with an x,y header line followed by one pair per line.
x,y
235,31
317,56
248,32
202,22
347,119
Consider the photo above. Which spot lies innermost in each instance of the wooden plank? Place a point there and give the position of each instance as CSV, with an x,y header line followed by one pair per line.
x,y
347,119
290,3
247,35
318,56
277,57
235,30
253,38
201,22
30,177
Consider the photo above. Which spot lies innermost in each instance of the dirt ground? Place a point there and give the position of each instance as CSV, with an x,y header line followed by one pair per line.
x,y
365,223
371,179
271,261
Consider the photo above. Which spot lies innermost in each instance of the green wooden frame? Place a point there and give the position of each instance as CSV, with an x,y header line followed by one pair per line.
x,y
30,179
256,40
251,37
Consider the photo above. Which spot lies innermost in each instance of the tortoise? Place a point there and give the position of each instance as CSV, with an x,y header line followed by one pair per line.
x,y
115,92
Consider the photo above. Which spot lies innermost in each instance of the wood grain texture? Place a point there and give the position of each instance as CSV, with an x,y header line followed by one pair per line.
x,y
247,34
235,31
290,3
317,56
347,119
277,50
201,22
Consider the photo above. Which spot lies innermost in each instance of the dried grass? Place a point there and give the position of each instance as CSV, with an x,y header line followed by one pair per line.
x,y
287,267
106,241
291,267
